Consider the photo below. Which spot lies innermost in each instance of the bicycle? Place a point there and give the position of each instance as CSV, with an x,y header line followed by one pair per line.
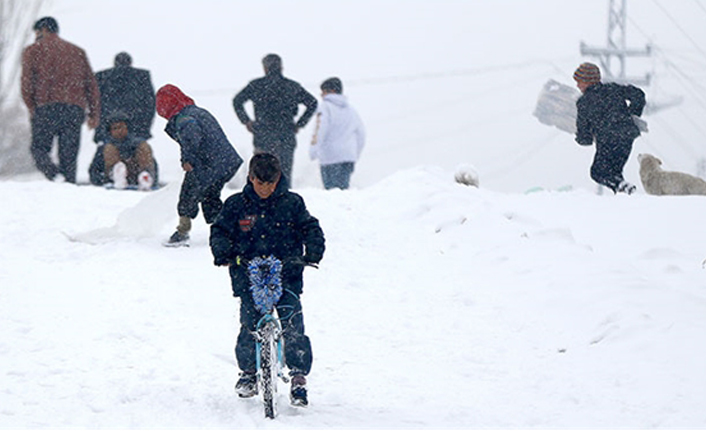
x,y
266,289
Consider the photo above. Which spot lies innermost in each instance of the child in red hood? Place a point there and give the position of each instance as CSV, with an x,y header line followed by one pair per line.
x,y
207,157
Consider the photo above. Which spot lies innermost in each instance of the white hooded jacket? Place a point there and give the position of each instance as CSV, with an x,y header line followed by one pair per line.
x,y
340,135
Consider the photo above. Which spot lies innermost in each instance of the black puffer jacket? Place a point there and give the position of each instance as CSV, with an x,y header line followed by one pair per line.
x,y
248,227
604,114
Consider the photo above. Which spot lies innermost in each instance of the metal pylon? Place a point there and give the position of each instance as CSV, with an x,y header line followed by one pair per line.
x,y
616,48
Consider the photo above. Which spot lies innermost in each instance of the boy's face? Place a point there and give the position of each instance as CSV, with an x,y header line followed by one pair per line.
x,y
264,189
583,85
118,130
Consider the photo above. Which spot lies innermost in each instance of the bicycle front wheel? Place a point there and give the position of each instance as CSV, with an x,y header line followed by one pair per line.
x,y
268,364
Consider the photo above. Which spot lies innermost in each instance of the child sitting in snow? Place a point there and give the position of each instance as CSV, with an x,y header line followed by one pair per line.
x,y
125,159
266,219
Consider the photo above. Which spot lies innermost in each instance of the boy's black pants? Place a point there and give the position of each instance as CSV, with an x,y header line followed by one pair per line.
x,y
297,346
609,161
195,190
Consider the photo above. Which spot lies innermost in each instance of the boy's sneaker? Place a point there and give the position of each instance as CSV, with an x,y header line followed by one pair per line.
x,y
119,176
178,240
298,395
626,187
145,181
247,385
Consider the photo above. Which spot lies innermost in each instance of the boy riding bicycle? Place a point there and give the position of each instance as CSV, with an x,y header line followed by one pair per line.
x,y
266,219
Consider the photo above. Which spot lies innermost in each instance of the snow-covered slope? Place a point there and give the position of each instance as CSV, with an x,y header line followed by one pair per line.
x,y
436,306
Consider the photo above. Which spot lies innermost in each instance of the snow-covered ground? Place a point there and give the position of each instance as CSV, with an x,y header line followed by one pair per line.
x,y
436,306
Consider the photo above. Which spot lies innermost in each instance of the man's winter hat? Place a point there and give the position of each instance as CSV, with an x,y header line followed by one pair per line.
x,y
123,59
171,100
47,22
118,117
588,73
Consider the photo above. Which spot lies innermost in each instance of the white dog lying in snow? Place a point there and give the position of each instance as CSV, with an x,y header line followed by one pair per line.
x,y
659,182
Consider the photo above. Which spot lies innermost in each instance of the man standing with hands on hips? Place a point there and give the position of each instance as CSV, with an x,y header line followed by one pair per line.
x,y
276,101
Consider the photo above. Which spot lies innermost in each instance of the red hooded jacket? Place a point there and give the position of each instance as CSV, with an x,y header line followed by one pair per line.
x,y
171,100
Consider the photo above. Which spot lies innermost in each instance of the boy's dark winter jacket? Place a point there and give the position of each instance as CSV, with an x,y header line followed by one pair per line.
x,y
203,144
248,227
603,114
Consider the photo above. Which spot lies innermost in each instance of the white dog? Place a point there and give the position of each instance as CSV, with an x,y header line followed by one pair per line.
x,y
659,182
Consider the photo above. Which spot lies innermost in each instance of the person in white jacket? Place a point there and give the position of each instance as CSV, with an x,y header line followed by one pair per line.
x,y
339,137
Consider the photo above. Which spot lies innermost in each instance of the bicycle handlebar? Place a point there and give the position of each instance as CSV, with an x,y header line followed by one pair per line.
x,y
238,261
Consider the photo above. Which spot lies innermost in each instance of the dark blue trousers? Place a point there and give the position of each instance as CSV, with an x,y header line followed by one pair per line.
x,y
337,175
204,189
297,346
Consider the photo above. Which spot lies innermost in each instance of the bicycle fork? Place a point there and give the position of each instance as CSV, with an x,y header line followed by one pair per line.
x,y
267,327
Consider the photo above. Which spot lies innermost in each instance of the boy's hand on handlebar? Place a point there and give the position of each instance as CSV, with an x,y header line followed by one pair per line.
x,y
296,261
312,261
302,261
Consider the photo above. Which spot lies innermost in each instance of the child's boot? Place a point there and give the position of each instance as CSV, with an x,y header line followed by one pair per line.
x,y
298,394
180,238
145,181
247,385
626,187
119,175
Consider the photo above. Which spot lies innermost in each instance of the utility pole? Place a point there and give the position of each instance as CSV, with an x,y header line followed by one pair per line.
x,y
616,48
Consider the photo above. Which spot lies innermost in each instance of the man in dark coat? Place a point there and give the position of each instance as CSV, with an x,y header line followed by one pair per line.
x,y
58,86
207,157
126,89
276,101
603,114
266,219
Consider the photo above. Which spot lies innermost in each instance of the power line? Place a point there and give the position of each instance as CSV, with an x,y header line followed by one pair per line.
x,y
688,58
698,3
524,156
677,138
450,73
422,76
676,24
682,77
458,100
692,121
